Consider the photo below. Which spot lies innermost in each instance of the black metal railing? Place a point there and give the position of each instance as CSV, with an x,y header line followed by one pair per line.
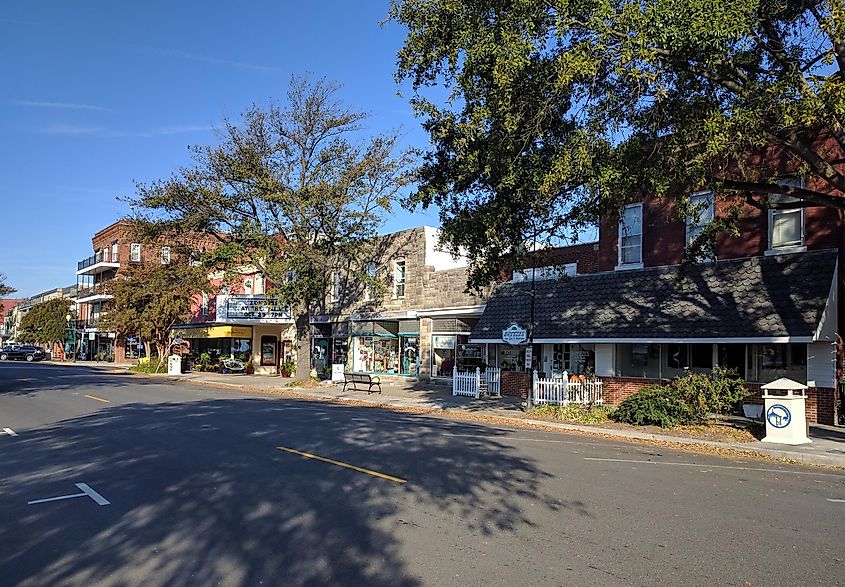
x,y
98,257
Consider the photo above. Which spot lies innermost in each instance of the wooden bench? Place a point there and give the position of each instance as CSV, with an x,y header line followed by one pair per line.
x,y
356,379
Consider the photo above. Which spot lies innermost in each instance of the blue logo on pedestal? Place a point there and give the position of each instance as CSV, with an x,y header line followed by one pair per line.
x,y
778,416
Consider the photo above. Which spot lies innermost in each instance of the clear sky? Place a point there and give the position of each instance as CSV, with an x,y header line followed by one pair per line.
x,y
96,95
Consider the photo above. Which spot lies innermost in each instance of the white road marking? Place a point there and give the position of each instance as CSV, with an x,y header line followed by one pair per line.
x,y
10,432
738,468
86,491
93,494
836,500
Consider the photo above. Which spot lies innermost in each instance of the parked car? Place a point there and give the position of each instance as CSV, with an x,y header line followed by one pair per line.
x,y
21,352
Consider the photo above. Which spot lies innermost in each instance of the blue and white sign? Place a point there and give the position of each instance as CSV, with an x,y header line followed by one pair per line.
x,y
778,415
514,334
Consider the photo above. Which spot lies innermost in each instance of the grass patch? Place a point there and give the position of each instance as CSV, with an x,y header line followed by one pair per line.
x,y
576,413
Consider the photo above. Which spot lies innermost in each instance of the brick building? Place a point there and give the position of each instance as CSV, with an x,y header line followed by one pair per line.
x,y
116,248
768,305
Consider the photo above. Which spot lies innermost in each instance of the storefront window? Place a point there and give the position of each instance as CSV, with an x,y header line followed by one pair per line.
x,y
512,358
376,354
443,355
320,354
242,348
341,351
410,355
268,351
469,355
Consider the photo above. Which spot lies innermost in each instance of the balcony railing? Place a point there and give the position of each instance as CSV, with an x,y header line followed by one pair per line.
x,y
99,291
99,257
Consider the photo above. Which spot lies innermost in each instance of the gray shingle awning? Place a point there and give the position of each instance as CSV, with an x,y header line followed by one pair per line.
x,y
766,298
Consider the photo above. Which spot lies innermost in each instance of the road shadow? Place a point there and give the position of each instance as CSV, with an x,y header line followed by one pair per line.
x,y
201,495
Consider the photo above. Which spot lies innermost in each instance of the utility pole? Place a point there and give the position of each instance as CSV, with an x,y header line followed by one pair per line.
x,y
531,320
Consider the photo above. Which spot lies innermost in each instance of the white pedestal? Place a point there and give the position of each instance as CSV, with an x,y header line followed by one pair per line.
x,y
174,365
786,419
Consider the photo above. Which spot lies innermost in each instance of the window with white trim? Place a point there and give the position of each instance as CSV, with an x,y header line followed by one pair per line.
x,y
335,291
165,255
204,306
371,277
548,272
248,286
786,227
702,206
135,252
114,252
631,236
399,278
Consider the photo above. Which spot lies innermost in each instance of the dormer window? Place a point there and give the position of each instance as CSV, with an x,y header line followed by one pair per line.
x,y
786,226
631,238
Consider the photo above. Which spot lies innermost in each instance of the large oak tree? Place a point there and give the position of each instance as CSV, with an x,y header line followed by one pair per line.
x,y
295,191
560,111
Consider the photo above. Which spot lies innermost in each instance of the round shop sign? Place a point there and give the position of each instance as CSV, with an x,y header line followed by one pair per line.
x,y
778,415
514,334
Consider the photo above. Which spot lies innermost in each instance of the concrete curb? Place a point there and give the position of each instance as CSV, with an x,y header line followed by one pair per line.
x,y
754,450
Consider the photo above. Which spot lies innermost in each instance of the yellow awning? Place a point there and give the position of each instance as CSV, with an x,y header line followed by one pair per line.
x,y
213,332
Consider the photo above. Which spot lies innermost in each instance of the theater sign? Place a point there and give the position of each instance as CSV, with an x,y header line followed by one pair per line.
x,y
252,309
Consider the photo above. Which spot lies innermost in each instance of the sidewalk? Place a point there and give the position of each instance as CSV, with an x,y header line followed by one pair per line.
x,y
827,448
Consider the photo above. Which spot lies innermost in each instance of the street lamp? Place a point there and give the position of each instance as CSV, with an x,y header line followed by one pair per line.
x,y
72,334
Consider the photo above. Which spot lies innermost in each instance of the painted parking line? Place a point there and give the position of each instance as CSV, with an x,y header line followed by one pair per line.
x,y
308,455
836,500
705,466
86,491
99,399
9,431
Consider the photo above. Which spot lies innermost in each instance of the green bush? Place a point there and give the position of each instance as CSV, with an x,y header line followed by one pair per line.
x,y
149,367
581,414
708,393
654,405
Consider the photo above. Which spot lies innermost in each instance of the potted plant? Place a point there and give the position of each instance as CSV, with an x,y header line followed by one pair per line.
x,y
288,368
249,368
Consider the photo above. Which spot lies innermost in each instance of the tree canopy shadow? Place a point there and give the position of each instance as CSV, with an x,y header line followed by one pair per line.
x,y
201,495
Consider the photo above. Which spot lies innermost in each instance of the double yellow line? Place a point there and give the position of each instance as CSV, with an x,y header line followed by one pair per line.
x,y
308,455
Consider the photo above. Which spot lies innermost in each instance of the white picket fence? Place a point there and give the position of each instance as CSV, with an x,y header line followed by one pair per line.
x,y
474,383
561,391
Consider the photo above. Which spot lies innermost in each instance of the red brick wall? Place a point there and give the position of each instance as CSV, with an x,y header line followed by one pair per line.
x,y
516,383
616,389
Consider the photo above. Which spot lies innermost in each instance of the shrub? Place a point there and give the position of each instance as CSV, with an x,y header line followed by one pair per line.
x,y
149,367
656,405
581,414
707,393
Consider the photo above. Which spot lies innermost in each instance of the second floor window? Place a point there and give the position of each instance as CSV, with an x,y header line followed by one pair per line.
x,y
165,255
204,305
399,278
371,277
335,293
114,254
631,235
786,227
702,208
135,252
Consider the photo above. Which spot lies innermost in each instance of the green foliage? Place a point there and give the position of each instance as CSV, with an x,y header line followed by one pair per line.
x,y
292,190
4,291
578,413
655,405
150,299
45,322
689,399
288,367
557,113
708,393
149,367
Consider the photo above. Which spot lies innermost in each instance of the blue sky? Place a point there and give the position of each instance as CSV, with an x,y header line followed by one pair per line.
x,y
99,94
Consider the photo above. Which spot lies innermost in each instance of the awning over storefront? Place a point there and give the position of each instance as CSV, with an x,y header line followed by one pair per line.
x,y
382,328
212,331
778,299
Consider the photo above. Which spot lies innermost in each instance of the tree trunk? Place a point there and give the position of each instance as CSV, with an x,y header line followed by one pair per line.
x,y
162,352
303,346
148,348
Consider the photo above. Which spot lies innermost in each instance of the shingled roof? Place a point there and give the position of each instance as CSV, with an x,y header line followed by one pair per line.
x,y
782,296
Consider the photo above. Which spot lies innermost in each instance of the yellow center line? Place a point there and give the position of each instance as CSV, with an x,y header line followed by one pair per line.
x,y
308,455
99,399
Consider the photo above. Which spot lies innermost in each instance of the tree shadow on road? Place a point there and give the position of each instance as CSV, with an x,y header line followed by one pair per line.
x,y
201,495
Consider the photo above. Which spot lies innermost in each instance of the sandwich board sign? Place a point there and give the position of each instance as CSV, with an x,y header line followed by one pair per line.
x,y
514,334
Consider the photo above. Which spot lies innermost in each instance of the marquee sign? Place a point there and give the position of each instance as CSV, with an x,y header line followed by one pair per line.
x,y
256,308
514,334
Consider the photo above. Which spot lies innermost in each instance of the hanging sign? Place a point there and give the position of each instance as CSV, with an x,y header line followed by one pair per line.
x,y
514,334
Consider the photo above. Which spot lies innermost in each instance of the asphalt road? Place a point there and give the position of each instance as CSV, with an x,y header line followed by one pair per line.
x,y
200,494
